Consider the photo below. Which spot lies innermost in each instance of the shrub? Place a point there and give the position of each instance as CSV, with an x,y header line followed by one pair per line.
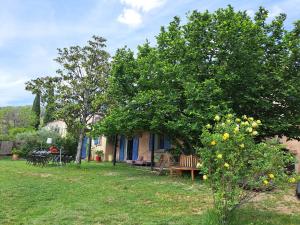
x,y
233,162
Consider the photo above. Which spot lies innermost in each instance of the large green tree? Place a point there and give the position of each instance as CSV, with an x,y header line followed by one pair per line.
x,y
215,63
79,86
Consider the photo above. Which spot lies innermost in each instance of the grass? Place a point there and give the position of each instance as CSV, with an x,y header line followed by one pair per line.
x,y
103,194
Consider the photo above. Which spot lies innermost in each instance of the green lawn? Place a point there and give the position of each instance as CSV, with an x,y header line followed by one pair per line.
x,y
103,194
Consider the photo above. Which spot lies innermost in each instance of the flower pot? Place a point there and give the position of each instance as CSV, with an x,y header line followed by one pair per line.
x,y
15,157
98,158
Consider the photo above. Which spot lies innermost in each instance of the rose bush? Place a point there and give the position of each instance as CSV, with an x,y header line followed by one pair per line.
x,y
234,165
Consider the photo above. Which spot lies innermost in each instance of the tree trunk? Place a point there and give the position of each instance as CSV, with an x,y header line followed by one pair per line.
x,y
115,150
79,146
89,149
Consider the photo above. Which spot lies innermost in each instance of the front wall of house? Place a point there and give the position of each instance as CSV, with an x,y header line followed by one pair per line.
x,y
144,146
294,147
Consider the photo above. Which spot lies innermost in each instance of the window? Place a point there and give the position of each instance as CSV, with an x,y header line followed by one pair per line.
x,y
160,142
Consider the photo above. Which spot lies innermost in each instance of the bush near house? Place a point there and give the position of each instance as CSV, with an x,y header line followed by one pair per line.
x,y
233,163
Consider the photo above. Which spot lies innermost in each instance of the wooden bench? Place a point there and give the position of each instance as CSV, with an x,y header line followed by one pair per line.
x,y
186,163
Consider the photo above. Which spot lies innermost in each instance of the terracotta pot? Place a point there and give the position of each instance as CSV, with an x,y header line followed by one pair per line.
x,y
98,158
15,157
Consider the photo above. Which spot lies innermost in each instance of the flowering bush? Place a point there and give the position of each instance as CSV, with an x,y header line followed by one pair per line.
x,y
234,164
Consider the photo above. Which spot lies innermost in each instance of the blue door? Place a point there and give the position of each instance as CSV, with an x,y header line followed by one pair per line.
x,y
83,147
167,142
122,145
135,148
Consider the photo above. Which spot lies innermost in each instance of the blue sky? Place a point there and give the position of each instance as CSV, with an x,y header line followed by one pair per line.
x,y
32,30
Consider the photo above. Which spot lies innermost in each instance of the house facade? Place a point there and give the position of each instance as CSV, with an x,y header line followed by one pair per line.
x,y
132,148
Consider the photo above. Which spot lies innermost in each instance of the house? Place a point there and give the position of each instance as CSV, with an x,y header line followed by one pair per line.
x,y
132,148
294,147
58,126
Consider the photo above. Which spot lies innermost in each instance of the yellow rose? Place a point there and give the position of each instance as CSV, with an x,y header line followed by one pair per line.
x,y
204,177
271,176
292,180
228,121
217,118
219,156
225,136
249,129
208,126
237,120
199,165
242,146
258,122
250,119
266,182
213,143
254,133
226,165
254,124
229,115
244,117
236,130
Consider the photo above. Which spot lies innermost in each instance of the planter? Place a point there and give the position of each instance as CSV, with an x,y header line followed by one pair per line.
x,y
15,157
98,158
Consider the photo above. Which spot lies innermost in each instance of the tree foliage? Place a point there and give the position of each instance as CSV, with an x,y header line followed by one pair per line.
x,y
217,62
14,120
36,108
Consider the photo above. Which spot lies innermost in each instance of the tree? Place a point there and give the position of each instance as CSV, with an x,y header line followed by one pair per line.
x,y
79,86
14,120
36,108
217,62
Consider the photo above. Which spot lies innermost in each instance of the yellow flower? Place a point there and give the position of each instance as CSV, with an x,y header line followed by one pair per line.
x,y
219,156
225,136
222,124
199,165
213,143
250,119
249,129
208,126
204,177
217,118
244,117
245,123
228,121
242,146
271,176
226,165
266,182
229,115
254,124
292,180
236,130
254,133
258,122
237,120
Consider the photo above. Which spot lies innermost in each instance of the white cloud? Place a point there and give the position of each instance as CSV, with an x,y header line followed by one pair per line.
x,y
130,17
143,5
134,10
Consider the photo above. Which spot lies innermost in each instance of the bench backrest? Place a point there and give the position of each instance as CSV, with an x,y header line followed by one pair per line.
x,y
188,161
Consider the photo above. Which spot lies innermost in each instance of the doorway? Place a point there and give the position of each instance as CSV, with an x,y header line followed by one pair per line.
x,y
129,149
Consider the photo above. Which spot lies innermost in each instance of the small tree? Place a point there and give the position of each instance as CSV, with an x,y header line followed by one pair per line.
x,y
234,164
36,108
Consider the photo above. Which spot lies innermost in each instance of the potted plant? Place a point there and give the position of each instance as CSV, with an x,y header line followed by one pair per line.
x,y
99,155
16,153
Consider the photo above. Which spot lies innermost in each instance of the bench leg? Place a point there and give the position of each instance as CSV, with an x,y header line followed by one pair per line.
x,y
192,175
